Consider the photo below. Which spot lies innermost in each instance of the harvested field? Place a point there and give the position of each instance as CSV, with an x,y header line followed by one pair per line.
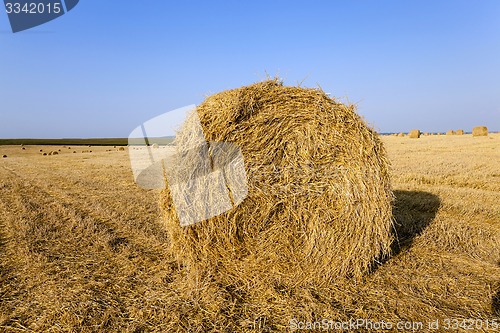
x,y
82,248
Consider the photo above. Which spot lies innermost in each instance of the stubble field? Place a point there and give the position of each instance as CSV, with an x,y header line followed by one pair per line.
x,y
82,248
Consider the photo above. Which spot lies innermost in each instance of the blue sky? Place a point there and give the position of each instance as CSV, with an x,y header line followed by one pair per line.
x,y
107,66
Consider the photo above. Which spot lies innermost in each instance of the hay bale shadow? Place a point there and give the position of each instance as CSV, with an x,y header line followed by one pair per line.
x,y
495,301
413,211
495,304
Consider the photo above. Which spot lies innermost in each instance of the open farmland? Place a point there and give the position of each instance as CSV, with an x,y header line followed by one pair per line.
x,y
82,248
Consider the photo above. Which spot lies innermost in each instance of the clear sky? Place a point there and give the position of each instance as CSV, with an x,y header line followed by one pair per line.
x,y
107,66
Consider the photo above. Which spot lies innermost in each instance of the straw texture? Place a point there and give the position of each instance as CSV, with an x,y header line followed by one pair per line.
x,y
319,198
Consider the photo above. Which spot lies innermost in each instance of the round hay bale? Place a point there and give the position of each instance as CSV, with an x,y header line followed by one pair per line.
x,y
155,146
401,134
44,154
319,198
459,132
41,150
414,134
4,156
23,148
480,131
450,132
121,149
74,151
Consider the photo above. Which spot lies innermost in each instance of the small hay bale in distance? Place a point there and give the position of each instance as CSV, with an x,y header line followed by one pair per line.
x,y
480,131
401,134
155,145
4,156
121,149
459,132
23,148
44,154
319,195
450,132
414,134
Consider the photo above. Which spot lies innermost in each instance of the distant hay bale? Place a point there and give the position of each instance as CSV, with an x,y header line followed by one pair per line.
x,y
23,148
74,151
401,134
53,153
41,150
319,197
44,154
414,134
4,156
450,132
121,149
155,145
480,131
459,132
426,134
69,147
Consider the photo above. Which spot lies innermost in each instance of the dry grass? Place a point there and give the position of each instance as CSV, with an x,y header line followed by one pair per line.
x,y
82,248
